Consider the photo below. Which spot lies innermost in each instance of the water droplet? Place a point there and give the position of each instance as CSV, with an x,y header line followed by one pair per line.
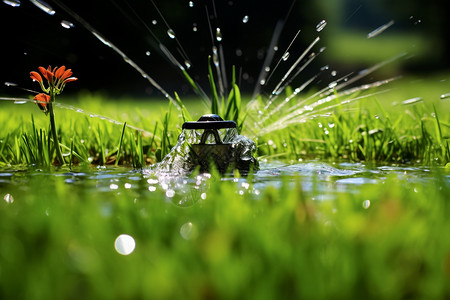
x,y
218,34
124,244
13,3
188,231
154,22
43,6
262,82
187,64
285,56
321,25
8,198
245,19
445,96
170,193
10,84
194,27
171,33
275,48
412,101
67,24
366,204
333,73
380,29
238,52
148,53
267,69
332,85
191,3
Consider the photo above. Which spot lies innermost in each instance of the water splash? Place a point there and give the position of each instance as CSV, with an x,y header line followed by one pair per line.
x,y
13,3
380,29
43,6
321,25
67,24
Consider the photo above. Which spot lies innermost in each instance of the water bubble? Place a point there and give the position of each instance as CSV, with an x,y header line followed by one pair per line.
x,y
366,204
218,34
171,33
412,101
332,85
43,6
285,56
191,3
245,19
188,231
8,198
67,24
13,3
124,244
380,29
154,22
321,25
170,193
445,96
148,53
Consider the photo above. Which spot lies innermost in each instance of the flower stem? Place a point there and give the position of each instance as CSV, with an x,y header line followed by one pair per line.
x,y
54,134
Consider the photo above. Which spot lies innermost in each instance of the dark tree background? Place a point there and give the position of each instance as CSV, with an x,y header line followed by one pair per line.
x,y
30,37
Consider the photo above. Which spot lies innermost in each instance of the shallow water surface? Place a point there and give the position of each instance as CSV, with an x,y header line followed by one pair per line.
x,y
320,180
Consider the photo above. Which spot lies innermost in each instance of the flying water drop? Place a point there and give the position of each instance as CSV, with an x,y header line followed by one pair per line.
x,y
13,3
148,53
67,24
285,56
154,22
43,6
191,3
187,64
10,84
194,27
171,33
412,101
445,96
333,73
380,29
218,34
245,19
321,25
8,198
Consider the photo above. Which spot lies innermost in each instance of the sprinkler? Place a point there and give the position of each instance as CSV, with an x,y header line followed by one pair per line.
x,y
219,145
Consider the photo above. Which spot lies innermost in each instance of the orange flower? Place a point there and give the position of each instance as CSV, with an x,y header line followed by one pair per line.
x,y
42,100
56,78
35,76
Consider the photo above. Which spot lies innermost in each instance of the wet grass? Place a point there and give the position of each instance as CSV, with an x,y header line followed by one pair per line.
x,y
382,128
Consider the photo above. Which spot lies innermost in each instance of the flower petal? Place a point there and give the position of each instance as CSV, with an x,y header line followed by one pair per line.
x,y
66,74
44,72
35,76
42,100
60,71
70,79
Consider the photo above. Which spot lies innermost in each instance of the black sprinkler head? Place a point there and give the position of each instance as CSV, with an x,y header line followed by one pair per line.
x,y
211,121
